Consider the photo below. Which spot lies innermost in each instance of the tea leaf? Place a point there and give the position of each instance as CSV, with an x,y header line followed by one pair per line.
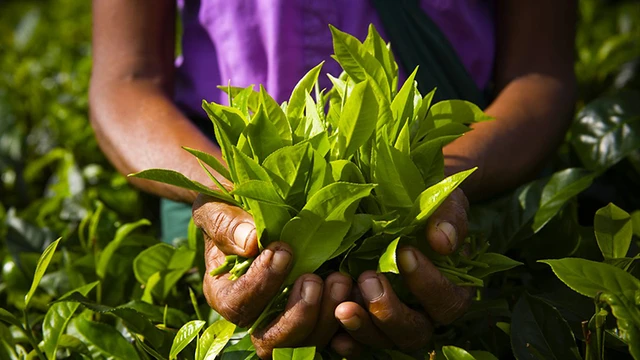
x,y
297,100
496,262
56,320
259,190
214,339
210,160
561,187
356,125
263,136
177,179
459,111
429,159
381,51
41,268
431,198
276,116
388,261
539,331
613,230
456,353
301,353
106,255
105,339
590,278
399,180
185,336
317,231
402,105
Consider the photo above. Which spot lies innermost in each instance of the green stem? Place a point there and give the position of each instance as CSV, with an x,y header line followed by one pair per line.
x,y
473,262
267,311
472,279
27,332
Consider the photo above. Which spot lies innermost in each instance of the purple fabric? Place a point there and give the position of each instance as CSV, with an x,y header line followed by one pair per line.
x,y
275,42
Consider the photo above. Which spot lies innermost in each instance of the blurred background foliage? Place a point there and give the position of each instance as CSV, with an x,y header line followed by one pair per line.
x,y
54,181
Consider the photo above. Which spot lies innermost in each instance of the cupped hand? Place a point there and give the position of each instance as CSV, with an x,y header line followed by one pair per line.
x,y
308,319
381,320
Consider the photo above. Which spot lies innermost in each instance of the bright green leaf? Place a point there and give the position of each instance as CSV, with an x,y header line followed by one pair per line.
x,y
388,261
302,353
214,339
357,120
456,353
185,336
41,268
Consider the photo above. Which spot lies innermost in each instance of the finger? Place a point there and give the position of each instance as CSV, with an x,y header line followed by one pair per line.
x,y
358,324
337,288
441,299
241,301
407,328
447,226
296,322
230,228
346,346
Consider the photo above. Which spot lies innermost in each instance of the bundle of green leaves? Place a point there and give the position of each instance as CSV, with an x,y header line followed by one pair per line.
x,y
344,177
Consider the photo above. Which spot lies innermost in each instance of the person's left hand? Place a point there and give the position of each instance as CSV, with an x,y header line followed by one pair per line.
x,y
381,320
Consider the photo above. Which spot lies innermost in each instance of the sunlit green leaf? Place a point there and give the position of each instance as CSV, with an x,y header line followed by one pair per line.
x,y
185,336
41,268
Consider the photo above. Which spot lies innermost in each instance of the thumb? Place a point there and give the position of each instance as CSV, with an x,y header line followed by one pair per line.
x,y
230,228
447,227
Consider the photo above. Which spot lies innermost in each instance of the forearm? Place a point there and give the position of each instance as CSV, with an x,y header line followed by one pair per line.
x,y
138,128
532,114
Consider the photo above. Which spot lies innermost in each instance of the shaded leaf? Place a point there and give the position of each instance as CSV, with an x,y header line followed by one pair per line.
x,y
105,338
589,277
538,331
613,229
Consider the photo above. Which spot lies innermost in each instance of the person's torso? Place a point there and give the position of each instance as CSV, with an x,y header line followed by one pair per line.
x,y
275,42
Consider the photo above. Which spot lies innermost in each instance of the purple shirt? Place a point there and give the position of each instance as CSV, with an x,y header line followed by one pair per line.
x,y
275,42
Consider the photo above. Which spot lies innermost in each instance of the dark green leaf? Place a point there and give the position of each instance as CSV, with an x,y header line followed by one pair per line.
x,y
56,320
538,331
429,159
319,228
9,318
589,277
152,260
106,255
74,344
496,263
625,309
607,130
41,268
482,355
613,229
561,187
105,338
185,336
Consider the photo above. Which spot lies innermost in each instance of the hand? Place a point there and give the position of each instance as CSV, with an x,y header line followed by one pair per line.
x,y
308,319
382,320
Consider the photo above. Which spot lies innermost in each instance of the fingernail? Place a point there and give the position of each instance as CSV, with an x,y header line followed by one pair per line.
x,y
372,288
241,234
311,291
352,323
450,232
280,260
339,291
407,260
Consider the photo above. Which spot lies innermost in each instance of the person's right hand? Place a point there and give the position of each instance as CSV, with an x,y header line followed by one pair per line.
x,y
308,319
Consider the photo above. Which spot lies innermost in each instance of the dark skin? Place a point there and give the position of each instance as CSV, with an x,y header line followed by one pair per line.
x,y
138,127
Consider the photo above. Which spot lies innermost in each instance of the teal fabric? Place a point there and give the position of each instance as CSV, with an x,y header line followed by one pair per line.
x,y
417,41
174,217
